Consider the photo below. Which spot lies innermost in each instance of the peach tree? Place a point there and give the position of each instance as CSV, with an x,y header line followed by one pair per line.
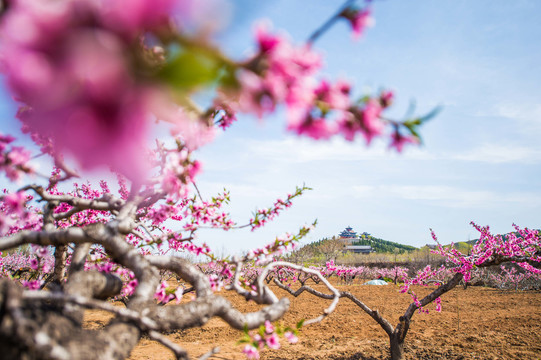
x,y
522,248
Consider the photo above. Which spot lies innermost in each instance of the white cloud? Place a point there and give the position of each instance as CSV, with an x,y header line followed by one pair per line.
x,y
448,196
526,115
295,150
364,191
530,112
239,189
499,154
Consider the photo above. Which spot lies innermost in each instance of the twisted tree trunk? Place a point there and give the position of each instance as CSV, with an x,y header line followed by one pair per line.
x,y
396,347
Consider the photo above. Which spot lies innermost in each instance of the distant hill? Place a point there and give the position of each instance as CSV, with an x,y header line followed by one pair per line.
x,y
463,246
379,245
383,246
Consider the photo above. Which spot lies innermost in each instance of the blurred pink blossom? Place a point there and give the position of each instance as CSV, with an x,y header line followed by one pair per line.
x,y
398,141
16,202
269,328
291,337
75,81
359,20
250,352
273,342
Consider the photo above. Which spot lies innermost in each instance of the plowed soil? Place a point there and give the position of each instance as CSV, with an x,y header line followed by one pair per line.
x,y
475,323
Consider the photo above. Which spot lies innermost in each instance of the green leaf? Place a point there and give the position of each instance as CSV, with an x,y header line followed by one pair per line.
x,y
189,69
227,77
431,114
364,99
414,133
412,123
300,324
243,341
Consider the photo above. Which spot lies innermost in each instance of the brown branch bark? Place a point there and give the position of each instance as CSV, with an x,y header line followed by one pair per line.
x,y
178,317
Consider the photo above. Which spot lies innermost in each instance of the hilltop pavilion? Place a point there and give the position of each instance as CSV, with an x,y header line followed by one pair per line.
x,y
348,233
351,237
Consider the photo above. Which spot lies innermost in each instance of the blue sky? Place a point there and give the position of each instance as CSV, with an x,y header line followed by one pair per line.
x,y
480,159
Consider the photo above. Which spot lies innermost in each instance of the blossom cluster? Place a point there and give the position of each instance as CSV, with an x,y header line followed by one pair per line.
x,y
493,249
28,267
510,277
281,73
266,337
179,245
16,213
164,293
13,159
520,247
359,19
262,216
206,212
177,170
71,68
422,278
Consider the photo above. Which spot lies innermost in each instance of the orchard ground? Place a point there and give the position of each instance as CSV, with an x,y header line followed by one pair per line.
x,y
475,323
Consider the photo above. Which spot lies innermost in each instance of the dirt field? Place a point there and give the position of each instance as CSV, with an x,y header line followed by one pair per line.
x,y
476,323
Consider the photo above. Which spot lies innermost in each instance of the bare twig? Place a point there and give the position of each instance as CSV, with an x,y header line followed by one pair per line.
x,y
335,296
179,352
317,33
210,353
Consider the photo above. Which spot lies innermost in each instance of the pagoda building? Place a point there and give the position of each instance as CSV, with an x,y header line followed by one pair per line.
x,y
348,234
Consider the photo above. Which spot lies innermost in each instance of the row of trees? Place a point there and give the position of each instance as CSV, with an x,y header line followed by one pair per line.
x,y
321,251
